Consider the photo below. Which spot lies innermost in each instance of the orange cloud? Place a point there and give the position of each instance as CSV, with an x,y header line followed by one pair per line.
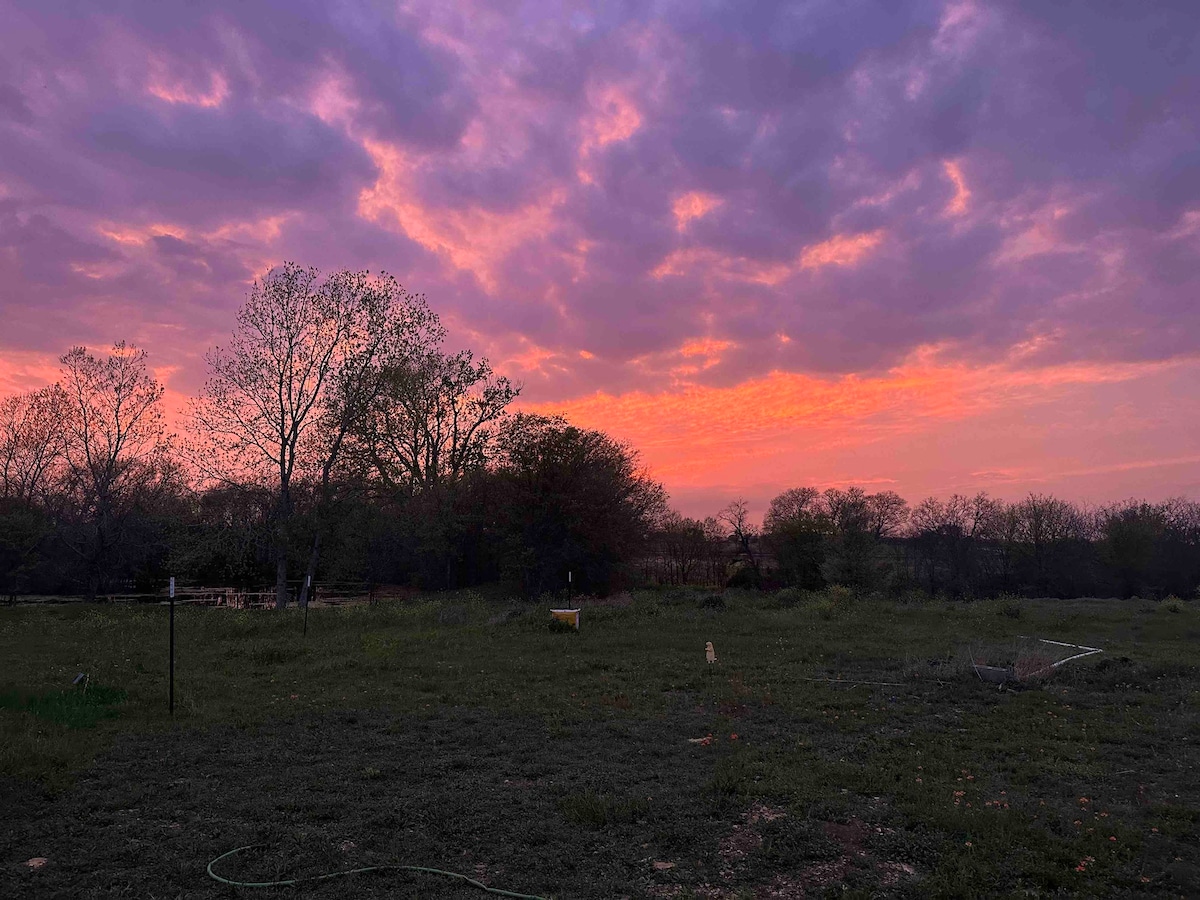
x,y
164,86
693,205
473,240
839,250
704,347
962,194
26,370
614,118
699,435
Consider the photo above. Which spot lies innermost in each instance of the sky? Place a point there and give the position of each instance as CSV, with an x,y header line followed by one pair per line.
x,y
928,247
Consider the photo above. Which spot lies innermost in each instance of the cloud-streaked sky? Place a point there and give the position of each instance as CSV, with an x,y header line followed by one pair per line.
x,y
928,246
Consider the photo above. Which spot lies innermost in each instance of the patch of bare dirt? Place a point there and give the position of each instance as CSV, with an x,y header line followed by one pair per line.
x,y
739,843
760,812
893,873
780,888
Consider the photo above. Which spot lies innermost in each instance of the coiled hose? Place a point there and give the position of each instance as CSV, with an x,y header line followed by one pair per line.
x,y
392,867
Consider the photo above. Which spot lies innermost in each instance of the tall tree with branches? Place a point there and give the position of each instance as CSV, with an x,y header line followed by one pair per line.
x,y
436,418
305,361
115,450
31,456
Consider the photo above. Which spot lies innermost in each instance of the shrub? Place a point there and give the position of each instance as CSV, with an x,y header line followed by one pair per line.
x,y
839,595
1173,604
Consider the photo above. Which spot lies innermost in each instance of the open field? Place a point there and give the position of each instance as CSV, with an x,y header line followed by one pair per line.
x,y
466,735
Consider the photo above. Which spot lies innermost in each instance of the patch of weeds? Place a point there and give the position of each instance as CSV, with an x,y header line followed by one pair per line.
x,y
840,595
731,776
75,708
590,809
713,601
558,626
1172,605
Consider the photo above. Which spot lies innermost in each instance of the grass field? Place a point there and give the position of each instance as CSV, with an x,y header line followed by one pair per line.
x,y
613,762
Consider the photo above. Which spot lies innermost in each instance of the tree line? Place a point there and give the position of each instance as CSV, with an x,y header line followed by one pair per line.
x,y
336,439
964,546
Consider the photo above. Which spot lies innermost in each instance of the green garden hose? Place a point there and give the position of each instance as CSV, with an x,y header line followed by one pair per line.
x,y
394,867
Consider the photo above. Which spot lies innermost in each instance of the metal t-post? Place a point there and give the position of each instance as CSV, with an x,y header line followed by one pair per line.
x,y
171,662
307,602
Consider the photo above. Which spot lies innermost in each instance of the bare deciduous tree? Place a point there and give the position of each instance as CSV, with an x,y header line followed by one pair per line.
x,y
31,443
434,419
306,359
736,518
114,446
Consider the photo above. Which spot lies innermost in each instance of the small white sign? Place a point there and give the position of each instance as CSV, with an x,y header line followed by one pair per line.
x,y
172,588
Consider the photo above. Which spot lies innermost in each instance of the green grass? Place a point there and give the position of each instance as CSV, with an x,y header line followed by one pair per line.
x,y
839,745
79,707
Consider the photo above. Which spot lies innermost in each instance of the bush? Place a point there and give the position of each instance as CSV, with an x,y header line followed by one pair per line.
x,y
839,595
745,577
1173,604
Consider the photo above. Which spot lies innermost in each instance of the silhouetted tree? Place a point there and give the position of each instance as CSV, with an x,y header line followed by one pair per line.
x,y
31,456
435,418
736,519
116,461
305,362
796,529
569,499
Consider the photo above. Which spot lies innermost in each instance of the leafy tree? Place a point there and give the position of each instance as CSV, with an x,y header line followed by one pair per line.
x,y
1133,536
796,529
569,499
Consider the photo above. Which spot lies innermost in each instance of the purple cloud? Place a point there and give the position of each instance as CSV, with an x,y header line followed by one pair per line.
x,y
821,187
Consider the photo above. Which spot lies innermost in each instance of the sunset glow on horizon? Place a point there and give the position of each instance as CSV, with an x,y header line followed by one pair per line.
x,y
931,247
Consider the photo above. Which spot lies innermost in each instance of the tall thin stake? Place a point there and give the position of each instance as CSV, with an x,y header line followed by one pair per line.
x,y
307,601
171,664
